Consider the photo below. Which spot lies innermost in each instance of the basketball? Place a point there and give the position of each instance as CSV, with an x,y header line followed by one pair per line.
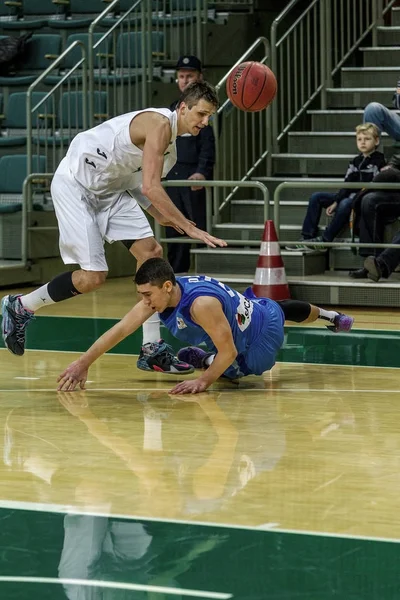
x,y
251,86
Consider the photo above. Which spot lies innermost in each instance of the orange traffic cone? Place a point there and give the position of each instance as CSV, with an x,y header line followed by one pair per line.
x,y
270,278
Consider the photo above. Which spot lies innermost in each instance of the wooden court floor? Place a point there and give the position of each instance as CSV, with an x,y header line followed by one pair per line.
x,y
282,485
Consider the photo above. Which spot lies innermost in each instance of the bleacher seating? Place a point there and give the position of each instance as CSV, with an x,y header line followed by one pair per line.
x,y
14,126
41,49
80,14
35,14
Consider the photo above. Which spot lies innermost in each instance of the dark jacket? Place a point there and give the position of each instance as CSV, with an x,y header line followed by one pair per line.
x,y
198,151
361,168
389,173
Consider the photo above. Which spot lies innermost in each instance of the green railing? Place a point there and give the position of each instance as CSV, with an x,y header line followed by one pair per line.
x,y
242,139
307,49
51,122
212,208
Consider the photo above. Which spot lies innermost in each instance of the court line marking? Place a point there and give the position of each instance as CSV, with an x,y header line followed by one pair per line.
x,y
214,391
271,527
281,362
117,585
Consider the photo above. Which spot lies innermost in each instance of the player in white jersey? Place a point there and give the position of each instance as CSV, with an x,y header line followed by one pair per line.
x,y
108,174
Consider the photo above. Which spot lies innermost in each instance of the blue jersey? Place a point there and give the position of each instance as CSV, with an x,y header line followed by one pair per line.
x,y
252,320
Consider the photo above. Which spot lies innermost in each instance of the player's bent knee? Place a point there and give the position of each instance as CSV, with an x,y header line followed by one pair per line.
x,y
93,279
158,251
145,249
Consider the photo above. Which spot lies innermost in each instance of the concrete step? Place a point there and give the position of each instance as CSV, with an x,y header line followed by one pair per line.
x,y
334,288
361,77
381,56
359,97
300,193
395,16
332,141
323,165
338,289
335,120
248,212
13,274
388,36
239,261
252,231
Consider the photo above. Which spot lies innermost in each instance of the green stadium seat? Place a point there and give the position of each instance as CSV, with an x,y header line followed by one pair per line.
x,y
41,49
14,131
128,60
9,13
34,14
69,119
100,56
80,14
70,114
13,171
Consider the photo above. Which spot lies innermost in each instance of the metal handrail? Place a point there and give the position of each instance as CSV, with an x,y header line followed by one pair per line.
x,y
215,184
328,185
92,48
26,200
29,110
312,39
26,193
215,122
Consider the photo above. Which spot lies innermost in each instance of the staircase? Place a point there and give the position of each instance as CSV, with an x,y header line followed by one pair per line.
x,y
323,151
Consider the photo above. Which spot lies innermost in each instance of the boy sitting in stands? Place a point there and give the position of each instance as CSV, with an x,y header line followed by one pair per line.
x,y
362,168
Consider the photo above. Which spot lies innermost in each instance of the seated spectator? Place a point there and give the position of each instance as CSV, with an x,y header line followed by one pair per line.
x,y
374,209
384,118
339,205
384,264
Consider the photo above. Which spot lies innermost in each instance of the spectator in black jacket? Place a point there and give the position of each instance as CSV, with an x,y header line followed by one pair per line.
x,y
374,210
196,158
362,168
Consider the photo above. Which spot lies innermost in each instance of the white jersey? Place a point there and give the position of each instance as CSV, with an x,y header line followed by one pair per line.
x,y
105,161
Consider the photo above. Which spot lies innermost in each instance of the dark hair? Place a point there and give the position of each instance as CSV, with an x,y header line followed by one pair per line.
x,y
199,90
155,271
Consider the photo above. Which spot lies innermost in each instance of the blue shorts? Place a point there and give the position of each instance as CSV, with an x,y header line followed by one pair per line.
x,y
261,355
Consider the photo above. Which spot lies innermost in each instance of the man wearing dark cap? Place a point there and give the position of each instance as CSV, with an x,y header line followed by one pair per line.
x,y
195,160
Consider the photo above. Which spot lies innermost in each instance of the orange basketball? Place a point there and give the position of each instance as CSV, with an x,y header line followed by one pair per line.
x,y
251,86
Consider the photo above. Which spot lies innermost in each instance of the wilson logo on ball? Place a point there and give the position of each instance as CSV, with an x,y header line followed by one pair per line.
x,y
251,86
238,75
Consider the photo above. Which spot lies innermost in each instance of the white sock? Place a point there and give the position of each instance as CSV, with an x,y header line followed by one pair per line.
x,y
328,315
209,360
37,299
151,329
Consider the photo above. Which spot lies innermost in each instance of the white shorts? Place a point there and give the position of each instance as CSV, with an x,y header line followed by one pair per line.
x,y
85,221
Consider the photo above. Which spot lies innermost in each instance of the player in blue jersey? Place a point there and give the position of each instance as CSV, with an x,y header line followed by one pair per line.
x,y
243,333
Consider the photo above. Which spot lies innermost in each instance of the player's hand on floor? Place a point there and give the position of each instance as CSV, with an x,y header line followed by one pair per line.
x,y
75,373
194,386
203,236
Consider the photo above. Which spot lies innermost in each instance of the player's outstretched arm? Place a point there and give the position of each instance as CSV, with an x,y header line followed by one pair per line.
x,y
77,372
157,135
207,312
